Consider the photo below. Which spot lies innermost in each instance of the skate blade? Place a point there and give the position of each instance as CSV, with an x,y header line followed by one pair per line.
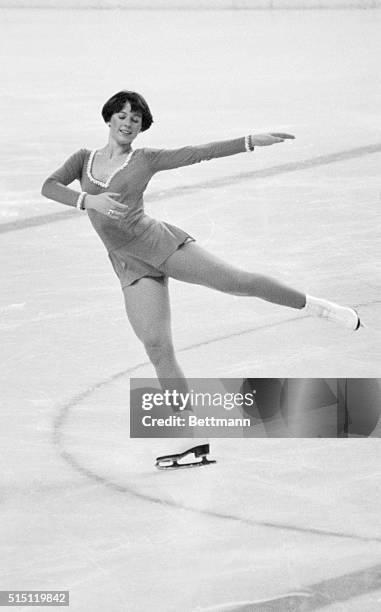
x,y
360,324
179,466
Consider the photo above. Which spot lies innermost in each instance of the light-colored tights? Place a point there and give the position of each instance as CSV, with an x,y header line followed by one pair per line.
x,y
148,307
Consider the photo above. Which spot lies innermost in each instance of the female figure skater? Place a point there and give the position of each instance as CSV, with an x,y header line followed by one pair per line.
x,y
145,252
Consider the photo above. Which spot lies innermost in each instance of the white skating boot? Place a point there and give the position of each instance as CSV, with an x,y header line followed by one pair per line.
x,y
179,458
348,317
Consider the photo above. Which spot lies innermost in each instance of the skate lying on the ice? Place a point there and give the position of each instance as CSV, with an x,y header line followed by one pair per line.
x,y
175,461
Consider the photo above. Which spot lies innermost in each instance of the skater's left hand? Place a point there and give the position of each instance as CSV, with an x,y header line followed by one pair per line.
x,y
263,140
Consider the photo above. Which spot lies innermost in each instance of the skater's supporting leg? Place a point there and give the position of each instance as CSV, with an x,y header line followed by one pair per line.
x,y
148,310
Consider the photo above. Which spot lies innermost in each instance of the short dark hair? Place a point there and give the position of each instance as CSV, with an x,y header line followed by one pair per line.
x,y
138,105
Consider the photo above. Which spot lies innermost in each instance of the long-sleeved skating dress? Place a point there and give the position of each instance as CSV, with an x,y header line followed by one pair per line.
x,y
138,244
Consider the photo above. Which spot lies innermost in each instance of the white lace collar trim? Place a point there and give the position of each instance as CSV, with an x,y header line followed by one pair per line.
x,y
107,183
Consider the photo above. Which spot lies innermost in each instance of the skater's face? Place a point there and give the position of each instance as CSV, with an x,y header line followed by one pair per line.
x,y
125,125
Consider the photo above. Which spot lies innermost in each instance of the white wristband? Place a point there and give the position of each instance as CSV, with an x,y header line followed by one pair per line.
x,y
81,200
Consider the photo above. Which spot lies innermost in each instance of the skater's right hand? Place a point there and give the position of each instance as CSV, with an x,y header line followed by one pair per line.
x,y
107,204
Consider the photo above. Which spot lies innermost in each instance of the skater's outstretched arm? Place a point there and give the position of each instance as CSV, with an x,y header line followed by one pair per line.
x,y
167,159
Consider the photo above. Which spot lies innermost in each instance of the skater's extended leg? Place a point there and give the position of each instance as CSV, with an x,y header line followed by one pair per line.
x,y
193,264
